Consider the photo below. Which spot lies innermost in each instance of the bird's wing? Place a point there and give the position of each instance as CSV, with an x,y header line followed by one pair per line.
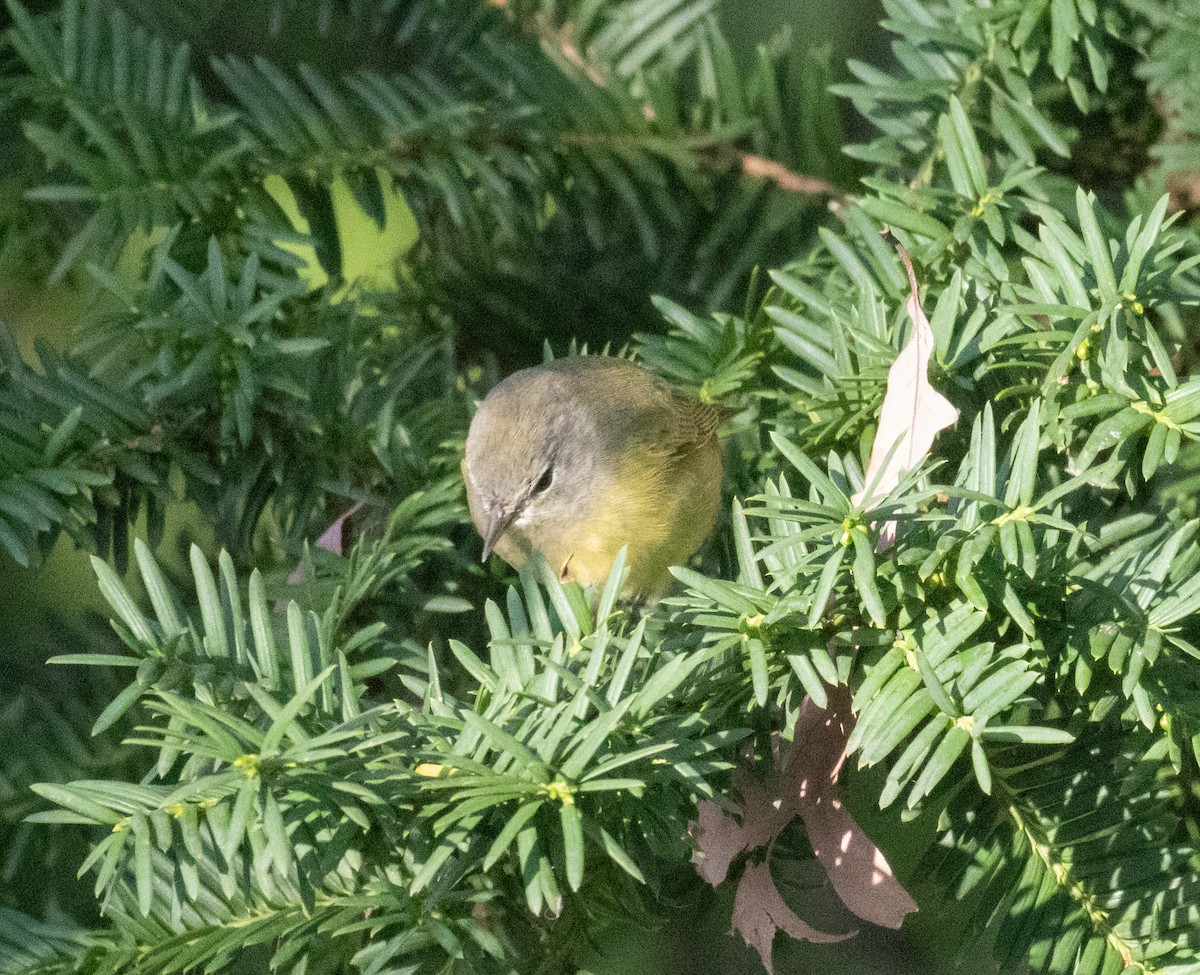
x,y
651,411
697,423
676,424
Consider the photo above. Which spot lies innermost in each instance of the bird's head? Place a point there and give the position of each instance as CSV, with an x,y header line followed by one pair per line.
x,y
529,459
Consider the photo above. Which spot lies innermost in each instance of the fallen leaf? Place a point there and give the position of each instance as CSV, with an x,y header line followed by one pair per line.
x,y
804,783
759,911
912,414
331,540
718,840
856,867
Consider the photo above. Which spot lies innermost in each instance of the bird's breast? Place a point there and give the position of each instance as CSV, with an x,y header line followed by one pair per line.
x,y
660,509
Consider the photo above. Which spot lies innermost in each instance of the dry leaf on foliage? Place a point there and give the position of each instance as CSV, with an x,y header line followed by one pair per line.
x,y
759,911
331,540
805,784
718,840
912,414
763,813
855,866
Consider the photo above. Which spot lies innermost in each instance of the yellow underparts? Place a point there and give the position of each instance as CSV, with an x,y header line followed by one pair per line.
x,y
662,513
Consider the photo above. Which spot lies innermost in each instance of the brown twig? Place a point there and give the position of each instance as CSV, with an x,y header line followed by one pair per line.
x,y
785,179
571,53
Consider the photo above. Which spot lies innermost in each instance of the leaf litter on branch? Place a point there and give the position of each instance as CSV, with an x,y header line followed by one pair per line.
x,y
912,415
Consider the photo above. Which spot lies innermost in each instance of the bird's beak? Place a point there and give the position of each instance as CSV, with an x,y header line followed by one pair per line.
x,y
499,518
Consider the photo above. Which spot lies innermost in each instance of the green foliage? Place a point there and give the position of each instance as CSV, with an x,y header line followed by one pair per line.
x,y
403,762
78,457
272,809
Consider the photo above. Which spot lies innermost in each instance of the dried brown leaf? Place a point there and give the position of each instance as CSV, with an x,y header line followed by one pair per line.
x,y
759,911
332,540
718,840
913,413
855,866
804,783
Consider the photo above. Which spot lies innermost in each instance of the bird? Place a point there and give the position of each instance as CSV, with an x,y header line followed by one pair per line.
x,y
584,455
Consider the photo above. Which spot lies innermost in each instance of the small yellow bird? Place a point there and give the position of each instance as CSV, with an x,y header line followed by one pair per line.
x,y
587,454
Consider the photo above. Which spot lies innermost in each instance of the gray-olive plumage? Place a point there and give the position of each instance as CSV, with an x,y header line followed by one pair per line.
x,y
586,454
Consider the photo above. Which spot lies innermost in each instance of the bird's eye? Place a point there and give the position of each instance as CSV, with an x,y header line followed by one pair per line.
x,y
544,482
